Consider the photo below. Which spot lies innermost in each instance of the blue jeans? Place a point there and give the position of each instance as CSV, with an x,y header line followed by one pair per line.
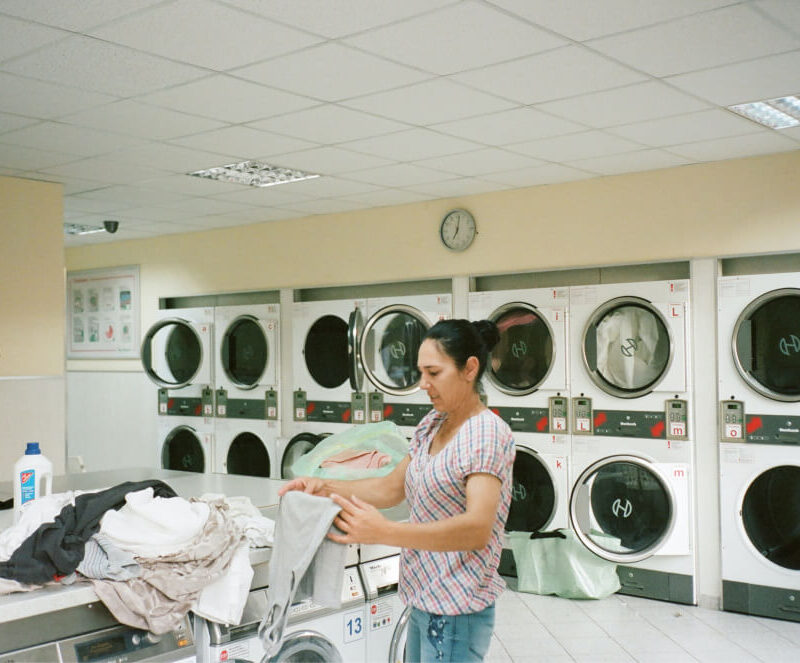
x,y
455,638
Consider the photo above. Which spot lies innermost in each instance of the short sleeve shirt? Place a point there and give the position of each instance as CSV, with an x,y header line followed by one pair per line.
x,y
460,582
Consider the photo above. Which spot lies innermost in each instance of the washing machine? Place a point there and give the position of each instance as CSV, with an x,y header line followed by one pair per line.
x,y
526,380
388,346
246,446
186,444
629,359
178,356
760,529
247,361
313,634
759,358
631,503
387,616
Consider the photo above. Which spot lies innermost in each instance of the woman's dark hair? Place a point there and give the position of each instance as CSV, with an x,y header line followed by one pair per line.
x,y
462,339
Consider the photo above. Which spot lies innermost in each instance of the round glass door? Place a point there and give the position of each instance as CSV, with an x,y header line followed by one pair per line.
x,y
533,494
325,351
627,347
247,455
766,344
524,356
307,647
244,352
622,509
183,451
397,647
771,515
389,347
172,353
298,446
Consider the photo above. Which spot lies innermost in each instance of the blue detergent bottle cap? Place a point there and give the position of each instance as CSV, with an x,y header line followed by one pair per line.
x,y
32,449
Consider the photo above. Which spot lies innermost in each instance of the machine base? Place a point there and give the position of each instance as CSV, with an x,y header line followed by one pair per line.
x,y
660,585
759,600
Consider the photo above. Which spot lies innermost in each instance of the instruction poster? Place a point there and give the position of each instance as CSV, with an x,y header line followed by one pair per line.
x,y
103,313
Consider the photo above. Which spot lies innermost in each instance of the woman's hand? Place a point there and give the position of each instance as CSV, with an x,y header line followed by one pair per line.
x,y
359,521
310,485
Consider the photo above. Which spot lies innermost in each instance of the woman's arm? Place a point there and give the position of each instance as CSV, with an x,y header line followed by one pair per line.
x,y
471,530
380,492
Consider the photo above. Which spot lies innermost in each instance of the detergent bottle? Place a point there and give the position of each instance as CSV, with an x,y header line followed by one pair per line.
x,y
31,472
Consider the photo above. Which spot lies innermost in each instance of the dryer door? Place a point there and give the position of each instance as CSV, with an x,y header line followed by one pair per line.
x,y
397,646
766,344
307,646
630,347
389,347
325,351
248,352
770,516
534,493
183,450
247,454
298,446
174,353
525,356
623,508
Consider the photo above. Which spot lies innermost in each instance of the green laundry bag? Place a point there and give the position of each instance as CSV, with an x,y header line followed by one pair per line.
x,y
558,563
384,437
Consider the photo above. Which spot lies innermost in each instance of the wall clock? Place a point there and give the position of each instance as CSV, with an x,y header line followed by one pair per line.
x,y
458,229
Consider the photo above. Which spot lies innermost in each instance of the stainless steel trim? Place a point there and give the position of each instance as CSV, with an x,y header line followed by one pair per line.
x,y
356,373
520,448
397,636
305,641
236,320
146,351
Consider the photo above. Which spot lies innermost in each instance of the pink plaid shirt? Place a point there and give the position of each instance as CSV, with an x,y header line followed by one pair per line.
x,y
455,583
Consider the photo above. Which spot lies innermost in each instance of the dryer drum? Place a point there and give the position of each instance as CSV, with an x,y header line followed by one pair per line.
x,y
298,446
247,455
309,647
771,515
172,353
400,341
533,494
326,351
183,451
183,353
766,344
244,352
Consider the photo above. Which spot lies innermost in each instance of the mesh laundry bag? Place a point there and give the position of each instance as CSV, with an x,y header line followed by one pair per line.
x,y
384,438
557,563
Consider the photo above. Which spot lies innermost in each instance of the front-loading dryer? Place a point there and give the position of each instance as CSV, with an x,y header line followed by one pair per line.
x,y
178,356
388,347
247,361
246,447
186,444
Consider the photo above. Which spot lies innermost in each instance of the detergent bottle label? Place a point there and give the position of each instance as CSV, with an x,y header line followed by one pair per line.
x,y
27,481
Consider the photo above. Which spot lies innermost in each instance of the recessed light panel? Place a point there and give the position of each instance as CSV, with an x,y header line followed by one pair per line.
x,y
254,173
80,229
780,113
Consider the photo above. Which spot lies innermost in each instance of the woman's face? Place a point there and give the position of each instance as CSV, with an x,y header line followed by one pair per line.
x,y
447,386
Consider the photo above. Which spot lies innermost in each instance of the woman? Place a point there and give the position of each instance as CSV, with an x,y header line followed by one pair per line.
x,y
457,481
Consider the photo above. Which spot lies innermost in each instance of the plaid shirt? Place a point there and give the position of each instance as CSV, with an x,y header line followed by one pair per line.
x,y
454,583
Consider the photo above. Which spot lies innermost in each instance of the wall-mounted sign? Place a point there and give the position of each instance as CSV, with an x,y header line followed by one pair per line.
x,y
103,313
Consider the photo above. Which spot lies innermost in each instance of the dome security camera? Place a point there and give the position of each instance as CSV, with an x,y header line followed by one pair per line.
x,y
111,226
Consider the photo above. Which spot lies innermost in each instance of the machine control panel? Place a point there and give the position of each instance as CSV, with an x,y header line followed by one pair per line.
x,y
559,414
358,407
582,415
677,415
299,409
380,575
731,415
271,405
375,407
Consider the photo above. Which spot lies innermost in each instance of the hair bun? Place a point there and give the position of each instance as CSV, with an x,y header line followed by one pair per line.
x,y
489,333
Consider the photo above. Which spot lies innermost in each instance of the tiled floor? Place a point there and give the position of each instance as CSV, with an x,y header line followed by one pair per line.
x,y
622,629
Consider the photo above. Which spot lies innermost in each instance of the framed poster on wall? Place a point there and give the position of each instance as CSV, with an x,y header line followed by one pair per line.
x,y
103,313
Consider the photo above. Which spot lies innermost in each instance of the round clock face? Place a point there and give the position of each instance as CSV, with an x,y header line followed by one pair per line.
x,y
457,230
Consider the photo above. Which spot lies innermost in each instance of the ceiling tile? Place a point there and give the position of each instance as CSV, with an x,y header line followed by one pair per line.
x,y
678,129
205,206
479,162
211,35
69,138
228,99
401,175
327,206
464,186
22,37
511,126
340,18
718,37
329,160
642,101
630,162
327,124
581,145
411,145
91,64
12,122
548,174
105,169
735,147
27,158
243,143
80,205
430,102
332,187
246,218
786,13
331,72
138,215
267,196
126,195
765,78
386,197
189,186
457,38
75,15
584,19
171,157
564,72
44,100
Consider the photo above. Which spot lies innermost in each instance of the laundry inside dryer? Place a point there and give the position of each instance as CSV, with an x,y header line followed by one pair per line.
x,y
400,337
522,358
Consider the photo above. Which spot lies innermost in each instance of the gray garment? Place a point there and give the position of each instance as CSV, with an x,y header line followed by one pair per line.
x,y
302,556
102,559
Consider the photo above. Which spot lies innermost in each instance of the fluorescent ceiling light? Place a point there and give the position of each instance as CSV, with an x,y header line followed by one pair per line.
x,y
254,173
780,113
80,229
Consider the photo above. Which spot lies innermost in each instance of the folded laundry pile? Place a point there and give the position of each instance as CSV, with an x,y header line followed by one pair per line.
x,y
357,459
150,555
